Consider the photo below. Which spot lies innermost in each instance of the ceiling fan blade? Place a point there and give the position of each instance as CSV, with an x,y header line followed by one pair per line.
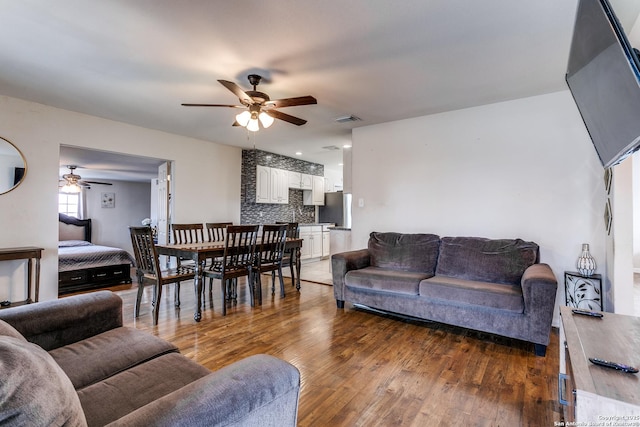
x,y
292,102
237,90
235,123
83,182
213,105
286,117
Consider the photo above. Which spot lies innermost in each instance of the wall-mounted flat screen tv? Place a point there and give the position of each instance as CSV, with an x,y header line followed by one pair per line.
x,y
604,78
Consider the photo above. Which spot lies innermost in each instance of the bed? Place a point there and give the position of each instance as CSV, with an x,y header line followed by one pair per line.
x,y
83,265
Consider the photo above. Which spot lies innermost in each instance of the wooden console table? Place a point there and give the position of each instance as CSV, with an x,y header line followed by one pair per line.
x,y
592,394
29,253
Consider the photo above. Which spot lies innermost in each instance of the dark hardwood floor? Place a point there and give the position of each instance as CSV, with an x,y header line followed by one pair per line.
x,y
365,369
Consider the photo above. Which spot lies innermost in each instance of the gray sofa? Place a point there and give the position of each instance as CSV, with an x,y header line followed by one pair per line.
x,y
71,362
496,286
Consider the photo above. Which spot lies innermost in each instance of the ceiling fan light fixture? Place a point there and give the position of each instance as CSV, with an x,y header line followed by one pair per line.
x,y
265,119
70,187
243,118
253,125
254,101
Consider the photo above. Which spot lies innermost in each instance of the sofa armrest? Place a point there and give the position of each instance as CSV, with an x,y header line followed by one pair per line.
x,y
260,390
341,264
56,323
539,287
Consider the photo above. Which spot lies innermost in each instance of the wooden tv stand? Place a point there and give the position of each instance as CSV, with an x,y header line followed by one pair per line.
x,y
596,394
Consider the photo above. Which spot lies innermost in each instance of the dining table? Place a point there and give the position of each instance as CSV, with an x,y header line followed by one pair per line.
x,y
202,251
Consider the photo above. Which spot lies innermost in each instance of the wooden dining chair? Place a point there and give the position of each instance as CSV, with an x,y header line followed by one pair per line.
x,y
293,231
149,271
184,234
237,261
187,233
269,257
216,231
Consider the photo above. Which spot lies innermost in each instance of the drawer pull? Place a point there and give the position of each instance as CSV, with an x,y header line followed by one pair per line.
x,y
562,389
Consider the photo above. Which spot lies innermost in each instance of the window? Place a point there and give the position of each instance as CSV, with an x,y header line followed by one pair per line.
x,y
69,204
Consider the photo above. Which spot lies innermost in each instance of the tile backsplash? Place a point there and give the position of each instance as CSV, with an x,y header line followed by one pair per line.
x,y
268,213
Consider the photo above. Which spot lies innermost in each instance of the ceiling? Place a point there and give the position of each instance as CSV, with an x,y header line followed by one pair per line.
x,y
137,61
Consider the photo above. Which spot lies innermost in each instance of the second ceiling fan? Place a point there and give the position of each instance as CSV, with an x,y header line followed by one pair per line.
x,y
258,106
72,183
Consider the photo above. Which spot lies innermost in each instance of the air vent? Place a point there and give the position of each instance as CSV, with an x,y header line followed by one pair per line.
x,y
347,119
331,148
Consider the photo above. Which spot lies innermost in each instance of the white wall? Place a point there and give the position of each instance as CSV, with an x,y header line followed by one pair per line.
x,y
110,226
635,200
206,179
523,168
619,263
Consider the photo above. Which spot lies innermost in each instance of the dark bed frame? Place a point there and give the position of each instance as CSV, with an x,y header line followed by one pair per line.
x,y
90,278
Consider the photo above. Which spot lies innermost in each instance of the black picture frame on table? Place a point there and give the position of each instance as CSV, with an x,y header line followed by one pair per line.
x,y
582,291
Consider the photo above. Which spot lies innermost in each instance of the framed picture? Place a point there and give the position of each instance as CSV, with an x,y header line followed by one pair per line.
x,y
583,291
108,200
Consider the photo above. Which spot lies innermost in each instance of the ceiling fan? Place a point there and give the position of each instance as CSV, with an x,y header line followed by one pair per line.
x,y
71,183
258,106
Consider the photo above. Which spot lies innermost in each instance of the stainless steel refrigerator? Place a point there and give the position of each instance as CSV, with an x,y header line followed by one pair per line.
x,y
336,209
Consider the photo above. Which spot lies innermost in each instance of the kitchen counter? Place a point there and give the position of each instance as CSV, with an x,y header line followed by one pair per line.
x,y
318,226
339,228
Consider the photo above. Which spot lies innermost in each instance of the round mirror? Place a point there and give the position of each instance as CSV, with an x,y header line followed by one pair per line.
x,y
13,166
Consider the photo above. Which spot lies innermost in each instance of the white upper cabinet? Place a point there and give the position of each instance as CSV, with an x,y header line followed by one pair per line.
x,y
272,185
279,186
318,190
315,196
300,181
295,180
307,182
263,184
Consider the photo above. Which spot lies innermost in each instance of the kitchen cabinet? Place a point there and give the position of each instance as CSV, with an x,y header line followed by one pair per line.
x,y
279,186
306,182
295,180
300,181
315,196
331,186
272,185
317,193
263,184
311,241
326,245
340,240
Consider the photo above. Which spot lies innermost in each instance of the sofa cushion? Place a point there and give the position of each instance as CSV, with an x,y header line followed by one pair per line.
x,y
406,252
9,331
476,258
471,292
103,355
135,387
34,391
384,279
